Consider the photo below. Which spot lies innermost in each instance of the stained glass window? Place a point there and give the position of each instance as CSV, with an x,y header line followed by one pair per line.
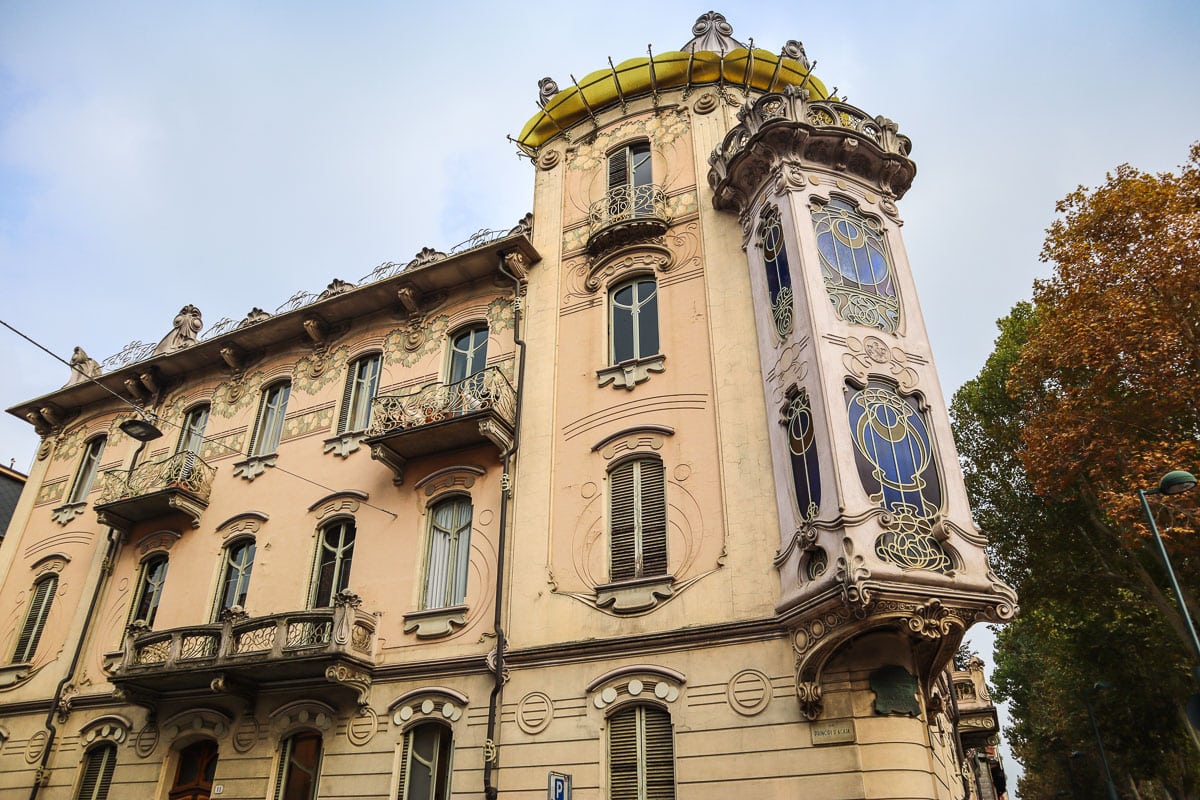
x,y
856,266
894,454
779,277
802,447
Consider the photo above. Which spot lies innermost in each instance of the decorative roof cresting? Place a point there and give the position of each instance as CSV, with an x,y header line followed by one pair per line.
x,y
712,32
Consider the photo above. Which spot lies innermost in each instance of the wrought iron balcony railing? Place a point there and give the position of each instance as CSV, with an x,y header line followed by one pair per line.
x,y
255,651
442,416
627,214
182,482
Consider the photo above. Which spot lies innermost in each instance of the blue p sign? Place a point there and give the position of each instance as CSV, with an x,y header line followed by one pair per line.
x,y
559,787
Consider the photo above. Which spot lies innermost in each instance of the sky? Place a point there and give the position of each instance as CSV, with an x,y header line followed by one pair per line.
x,y
230,154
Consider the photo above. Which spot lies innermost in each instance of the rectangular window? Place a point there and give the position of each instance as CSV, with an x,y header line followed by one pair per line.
x,y
334,559
35,619
641,755
299,767
638,520
98,768
235,576
425,763
86,474
449,553
191,438
633,320
149,590
361,384
269,427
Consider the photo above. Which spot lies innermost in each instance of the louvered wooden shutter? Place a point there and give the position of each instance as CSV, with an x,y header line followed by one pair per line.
x,y
256,434
653,508
285,755
623,522
618,168
402,783
623,755
347,395
659,754
97,773
35,619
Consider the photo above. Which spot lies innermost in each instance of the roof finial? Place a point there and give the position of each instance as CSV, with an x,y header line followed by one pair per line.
x,y
712,33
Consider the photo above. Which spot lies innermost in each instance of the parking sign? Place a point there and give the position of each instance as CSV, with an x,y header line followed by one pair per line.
x,y
559,786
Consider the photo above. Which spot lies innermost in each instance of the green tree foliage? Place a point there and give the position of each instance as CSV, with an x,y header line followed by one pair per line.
x,y
1077,406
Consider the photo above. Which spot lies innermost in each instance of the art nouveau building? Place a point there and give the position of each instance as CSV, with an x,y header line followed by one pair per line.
x,y
655,490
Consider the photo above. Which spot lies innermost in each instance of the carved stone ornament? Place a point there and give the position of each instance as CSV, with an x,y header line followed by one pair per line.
x,y
713,33
852,574
636,681
335,287
547,88
345,444
871,355
254,466
548,159
434,701
256,315
424,257
357,679
795,50
187,325
808,693
649,256
705,103
626,597
934,621
517,264
65,514
435,623
629,374
83,368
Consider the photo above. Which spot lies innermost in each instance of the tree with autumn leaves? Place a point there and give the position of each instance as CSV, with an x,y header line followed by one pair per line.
x,y
1090,394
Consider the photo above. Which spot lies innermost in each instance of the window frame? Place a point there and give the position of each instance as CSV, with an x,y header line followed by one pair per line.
x,y
342,563
624,161
455,572
271,414
638,333
645,527
96,772
191,432
441,772
359,393
89,467
143,584
642,759
245,573
38,611
473,359
283,769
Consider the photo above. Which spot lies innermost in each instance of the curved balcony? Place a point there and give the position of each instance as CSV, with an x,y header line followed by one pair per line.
x,y
442,416
323,645
626,215
182,482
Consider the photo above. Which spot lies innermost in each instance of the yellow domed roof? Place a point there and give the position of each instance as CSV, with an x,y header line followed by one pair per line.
x,y
740,67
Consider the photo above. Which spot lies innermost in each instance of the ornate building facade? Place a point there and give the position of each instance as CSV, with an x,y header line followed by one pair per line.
x,y
653,494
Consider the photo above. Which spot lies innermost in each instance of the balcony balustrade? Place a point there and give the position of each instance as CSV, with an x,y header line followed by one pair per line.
x,y
442,416
182,482
335,646
625,215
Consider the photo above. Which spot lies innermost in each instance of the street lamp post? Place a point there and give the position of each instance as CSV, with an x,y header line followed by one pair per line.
x,y
1175,482
1087,700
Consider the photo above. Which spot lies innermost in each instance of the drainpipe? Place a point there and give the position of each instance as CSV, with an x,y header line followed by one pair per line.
x,y
105,570
490,791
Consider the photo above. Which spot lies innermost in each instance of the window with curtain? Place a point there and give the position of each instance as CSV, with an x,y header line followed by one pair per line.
x,y
335,556
41,598
149,590
424,763
449,553
641,755
637,520
268,427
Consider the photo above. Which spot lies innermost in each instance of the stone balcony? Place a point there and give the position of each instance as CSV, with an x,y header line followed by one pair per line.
x,y
440,417
627,215
331,648
182,482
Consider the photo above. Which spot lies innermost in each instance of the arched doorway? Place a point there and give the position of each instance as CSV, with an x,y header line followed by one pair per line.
x,y
194,774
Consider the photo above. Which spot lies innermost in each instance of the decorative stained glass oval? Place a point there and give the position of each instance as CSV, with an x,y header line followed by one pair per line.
x,y
802,447
779,277
856,266
895,459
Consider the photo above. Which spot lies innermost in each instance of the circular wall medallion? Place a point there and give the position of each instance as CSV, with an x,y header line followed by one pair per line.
x,y
683,472
33,750
588,490
245,735
361,729
485,517
534,712
749,692
145,741
705,103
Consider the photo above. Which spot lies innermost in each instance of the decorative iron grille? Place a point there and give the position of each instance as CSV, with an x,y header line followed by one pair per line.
x,y
626,204
437,402
198,645
184,471
154,652
256,639
308,633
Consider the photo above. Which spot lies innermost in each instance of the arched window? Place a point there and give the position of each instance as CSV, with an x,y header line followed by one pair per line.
x,y
424,765
149,590
98,766
449,553
235,576
856,266
299,767
637,520
86,473
268,427
779,276
641,755
40,601
468,353
802,447
335,555
633,320
195,772
362,381
191,436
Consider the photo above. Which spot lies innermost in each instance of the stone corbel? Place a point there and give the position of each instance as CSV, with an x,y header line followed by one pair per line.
x,y
41,425
254,466
345,444
436,622
356,679
409,301
852,575
233,357
316,330
136,390
630,373
390,460
517,264
495,433
629,597
808,694
64,514
150,381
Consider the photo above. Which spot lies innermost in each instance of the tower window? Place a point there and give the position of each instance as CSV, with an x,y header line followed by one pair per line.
x,y
802,447
629,180
637,520
641,755
856,266
779,276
